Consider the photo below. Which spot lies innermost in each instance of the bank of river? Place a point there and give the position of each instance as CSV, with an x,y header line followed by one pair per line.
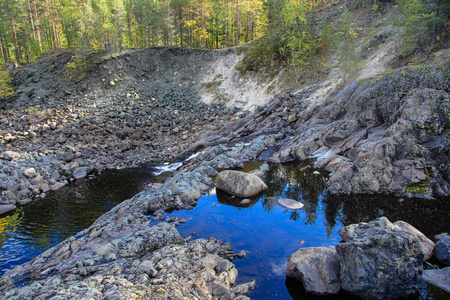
x,y
39,225
270,233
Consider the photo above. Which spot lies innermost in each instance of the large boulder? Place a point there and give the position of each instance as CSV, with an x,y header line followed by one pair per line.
x,y
239,183
378,261
317,268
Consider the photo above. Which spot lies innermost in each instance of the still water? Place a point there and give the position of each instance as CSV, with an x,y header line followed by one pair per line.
x,y
272,233
41,224
269,232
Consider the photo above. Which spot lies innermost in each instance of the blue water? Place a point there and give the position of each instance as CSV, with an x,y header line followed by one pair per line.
x,y
272,233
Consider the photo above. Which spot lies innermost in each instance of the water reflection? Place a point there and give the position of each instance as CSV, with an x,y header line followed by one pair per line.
x,y
44,223
227,199
271,233
298,182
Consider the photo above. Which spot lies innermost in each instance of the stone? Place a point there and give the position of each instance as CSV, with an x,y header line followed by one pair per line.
x,y
289,203
37,180
25,201
68,156
123,146
80,172
442,250
239,183
4,208
57,186
30,173
427,244
378,261
317,268
440,278
10,155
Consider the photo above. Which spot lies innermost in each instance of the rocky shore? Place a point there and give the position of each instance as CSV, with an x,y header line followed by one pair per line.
x,y
129,254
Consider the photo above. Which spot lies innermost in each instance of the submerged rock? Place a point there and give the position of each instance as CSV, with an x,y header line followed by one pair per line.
x,y
239,183
317,268
378,261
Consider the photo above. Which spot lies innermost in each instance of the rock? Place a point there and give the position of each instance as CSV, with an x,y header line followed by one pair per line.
x,y
292,118
10,155
123,146
4,208
57,186
440,278
25,201
243,288
239,183
380,262
37,180
30,173
80,172
317,268
442,250
68,156
8,197
428,245
290,203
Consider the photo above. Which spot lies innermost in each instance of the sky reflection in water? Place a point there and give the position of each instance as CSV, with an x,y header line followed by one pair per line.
x,y
272,233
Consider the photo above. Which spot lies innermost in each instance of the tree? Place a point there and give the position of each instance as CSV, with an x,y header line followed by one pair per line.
x,y
5,88
424,24
346,40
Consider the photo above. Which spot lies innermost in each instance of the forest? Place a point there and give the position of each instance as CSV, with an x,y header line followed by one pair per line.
x,y
29,28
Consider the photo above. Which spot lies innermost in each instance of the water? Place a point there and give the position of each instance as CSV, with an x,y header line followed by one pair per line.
x,y
269,232
41,224
272,233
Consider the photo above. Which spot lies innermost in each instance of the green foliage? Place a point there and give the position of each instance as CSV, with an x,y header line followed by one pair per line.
x,y
81,65
345,39
420,187
297,39
425,25
6,90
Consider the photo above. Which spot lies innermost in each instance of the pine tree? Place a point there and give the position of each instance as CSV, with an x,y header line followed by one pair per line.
x,y
346,40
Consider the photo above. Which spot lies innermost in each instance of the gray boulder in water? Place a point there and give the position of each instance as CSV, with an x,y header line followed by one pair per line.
x,y
317,268
378,261
239,183
442,250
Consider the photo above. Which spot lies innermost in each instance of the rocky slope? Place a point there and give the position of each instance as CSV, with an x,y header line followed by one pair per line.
x,y
388,135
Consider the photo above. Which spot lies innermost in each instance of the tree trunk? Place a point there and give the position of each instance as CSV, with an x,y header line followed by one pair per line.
x,y
180,23
31,19
37,27
237,22
119,27
16,42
